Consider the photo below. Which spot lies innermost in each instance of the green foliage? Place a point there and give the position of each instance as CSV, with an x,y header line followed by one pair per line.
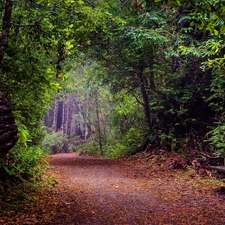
x,y
42,35
153,72
206,15
216,139
158,65
163,65
24,165
91,148
115,149
53,142
56,142
134,138
126,113
131,141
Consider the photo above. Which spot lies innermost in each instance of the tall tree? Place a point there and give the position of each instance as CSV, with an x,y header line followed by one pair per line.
x,y
142,57
8,128
6,24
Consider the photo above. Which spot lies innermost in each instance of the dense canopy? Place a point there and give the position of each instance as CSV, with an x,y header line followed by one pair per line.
x,y
111,78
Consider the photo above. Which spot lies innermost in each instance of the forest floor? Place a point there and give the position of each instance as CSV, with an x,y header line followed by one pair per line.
x,y
138,190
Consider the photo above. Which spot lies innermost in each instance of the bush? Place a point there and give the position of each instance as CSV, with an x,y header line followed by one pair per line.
x,y
131,141
53,142
116,150
91,148
113,147
56,142
23,165
21,173
216,140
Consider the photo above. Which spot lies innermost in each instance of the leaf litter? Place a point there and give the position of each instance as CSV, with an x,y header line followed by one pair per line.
x,y
138,190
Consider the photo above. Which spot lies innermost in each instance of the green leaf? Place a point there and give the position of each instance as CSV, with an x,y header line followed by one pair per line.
x,y
222,29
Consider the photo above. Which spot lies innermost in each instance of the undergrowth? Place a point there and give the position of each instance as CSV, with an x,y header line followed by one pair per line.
x,y
21,174
114,147
57,142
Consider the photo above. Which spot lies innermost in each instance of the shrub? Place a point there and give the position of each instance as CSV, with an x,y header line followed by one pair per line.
x,y
22,165
216,140
56,142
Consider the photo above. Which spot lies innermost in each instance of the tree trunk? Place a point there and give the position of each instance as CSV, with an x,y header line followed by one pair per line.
x,y
87,124
64,119
151,67
98,122
49,118
55,114
144,97
8,128
59,116
6,24
69,116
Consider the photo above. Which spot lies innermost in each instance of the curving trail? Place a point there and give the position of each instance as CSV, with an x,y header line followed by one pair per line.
x,y
113,192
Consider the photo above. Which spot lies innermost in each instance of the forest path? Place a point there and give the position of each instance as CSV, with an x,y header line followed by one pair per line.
x,y
104,192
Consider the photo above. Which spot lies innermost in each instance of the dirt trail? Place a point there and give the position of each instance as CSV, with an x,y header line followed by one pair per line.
x,y
103,192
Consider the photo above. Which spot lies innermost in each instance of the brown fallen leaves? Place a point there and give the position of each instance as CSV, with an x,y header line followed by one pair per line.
x,y
137,190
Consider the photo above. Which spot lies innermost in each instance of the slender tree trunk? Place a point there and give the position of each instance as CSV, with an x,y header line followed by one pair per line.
x,y
6,24
75,126
87,123
151,67
49,118
64,120
144,97
69,116
98,122
74,112
55,115
59,116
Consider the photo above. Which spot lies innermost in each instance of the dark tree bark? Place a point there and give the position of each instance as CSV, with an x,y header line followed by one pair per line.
x,y
59,116
144,97
6,24
8,128
69,117
151,74
61,57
